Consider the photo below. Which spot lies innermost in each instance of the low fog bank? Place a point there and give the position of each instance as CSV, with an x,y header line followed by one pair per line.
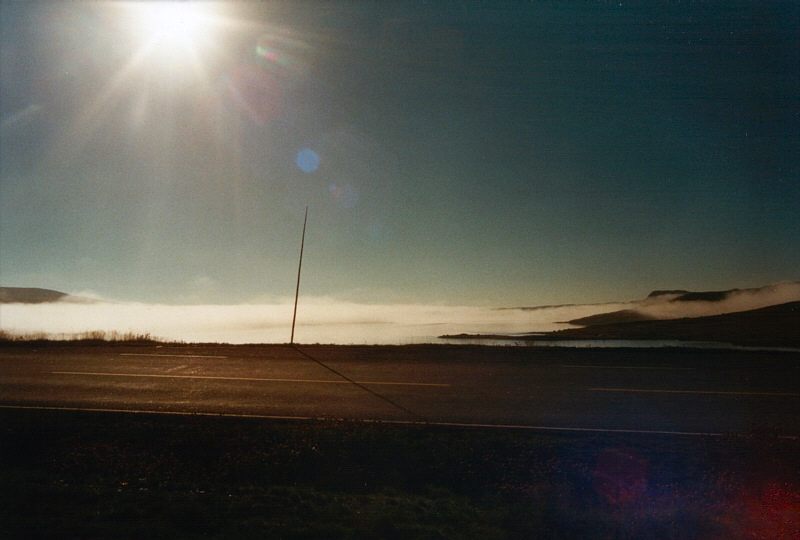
x,y
328,321
673,306
318,321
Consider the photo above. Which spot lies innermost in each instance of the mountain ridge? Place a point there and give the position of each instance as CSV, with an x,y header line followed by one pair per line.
x,y
663,304
36,295
773,325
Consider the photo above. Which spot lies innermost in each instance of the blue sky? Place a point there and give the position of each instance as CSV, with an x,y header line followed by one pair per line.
x,y
462,153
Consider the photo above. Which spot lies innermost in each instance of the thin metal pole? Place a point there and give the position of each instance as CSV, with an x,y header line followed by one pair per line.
x,y
299,267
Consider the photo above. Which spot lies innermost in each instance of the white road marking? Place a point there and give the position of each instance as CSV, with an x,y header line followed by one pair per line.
x,y
257,379
176,368
143,411
593,366
388,422
560,428
711,392
174,355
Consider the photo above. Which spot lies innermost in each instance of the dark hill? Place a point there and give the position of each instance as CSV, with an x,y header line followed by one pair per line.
x,y
773,325
706,296
614,317
655,294
29,295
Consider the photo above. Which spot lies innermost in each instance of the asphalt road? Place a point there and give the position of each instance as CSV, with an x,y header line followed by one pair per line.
x,y
680,392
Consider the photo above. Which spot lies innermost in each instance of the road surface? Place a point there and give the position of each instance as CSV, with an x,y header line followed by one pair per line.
x,y
671,391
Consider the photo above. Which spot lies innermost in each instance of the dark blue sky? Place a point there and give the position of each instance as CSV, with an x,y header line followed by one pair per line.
x,y
467,153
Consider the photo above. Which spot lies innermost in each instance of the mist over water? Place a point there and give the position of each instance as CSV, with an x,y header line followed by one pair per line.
x,y
317,322
321,320
664,307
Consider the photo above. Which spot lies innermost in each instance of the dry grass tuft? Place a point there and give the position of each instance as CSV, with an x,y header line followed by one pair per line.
x,y
93,335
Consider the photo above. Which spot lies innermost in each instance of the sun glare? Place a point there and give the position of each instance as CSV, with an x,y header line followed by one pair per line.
x,y
172,24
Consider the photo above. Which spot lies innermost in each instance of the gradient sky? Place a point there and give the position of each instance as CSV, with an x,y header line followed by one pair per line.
x,y
450,152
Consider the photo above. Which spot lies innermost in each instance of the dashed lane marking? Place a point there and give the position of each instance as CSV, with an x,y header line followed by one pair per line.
x,y
710,392
595,366
516,427
176,368
175,355
256,379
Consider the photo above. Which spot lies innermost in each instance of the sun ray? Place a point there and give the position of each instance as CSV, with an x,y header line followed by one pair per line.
x,y
172,37
90,118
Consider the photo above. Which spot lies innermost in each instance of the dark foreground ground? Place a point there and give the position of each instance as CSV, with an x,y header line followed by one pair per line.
x,y
70,474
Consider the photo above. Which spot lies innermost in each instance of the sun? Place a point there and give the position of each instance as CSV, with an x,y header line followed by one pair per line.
x,y
172,24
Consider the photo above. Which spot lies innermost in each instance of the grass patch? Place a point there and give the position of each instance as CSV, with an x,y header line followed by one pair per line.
x,y
94,336
127,476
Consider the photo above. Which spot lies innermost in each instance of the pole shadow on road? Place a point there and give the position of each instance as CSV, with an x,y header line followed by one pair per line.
x,y
378,395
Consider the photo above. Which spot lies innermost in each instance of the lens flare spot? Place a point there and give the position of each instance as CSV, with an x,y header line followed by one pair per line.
x,y
307,160
768,510
268,52
345,196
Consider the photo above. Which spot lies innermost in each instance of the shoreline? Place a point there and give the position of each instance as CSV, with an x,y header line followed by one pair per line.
x,y
774,326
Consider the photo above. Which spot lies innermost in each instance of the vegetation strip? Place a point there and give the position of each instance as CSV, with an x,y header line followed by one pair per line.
x,y
90,475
